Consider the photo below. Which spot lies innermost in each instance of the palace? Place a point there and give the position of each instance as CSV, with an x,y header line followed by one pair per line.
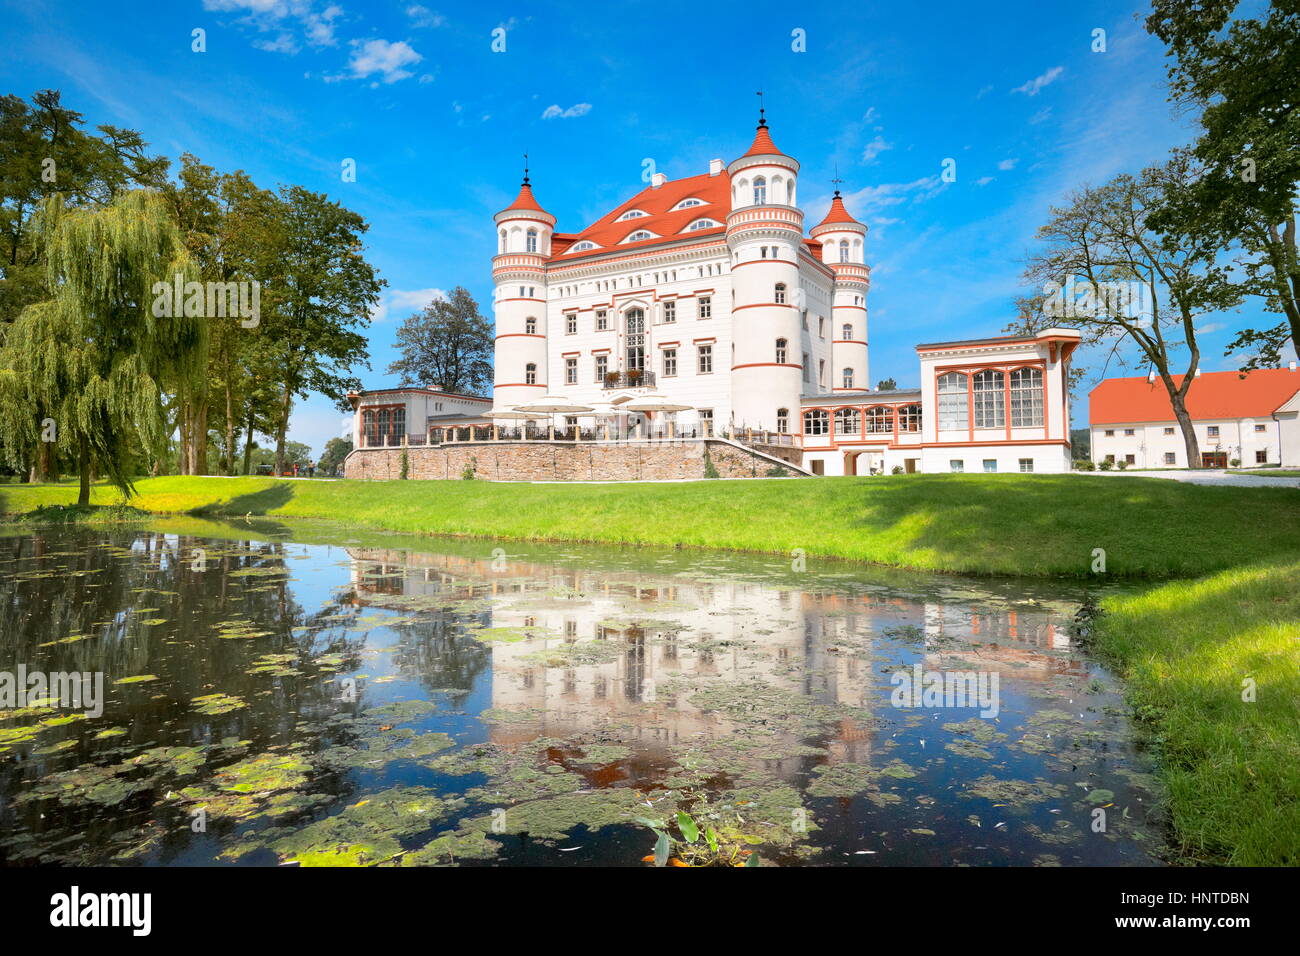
x,y
699,309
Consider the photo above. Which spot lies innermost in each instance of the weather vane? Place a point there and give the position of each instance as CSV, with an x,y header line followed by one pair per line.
x,y
836,181
525,169
762,121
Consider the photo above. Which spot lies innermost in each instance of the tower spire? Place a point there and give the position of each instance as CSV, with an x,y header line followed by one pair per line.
x,y
837,181
762,119
525,169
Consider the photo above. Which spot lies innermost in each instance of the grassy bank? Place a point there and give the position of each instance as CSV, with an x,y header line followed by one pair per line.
x,y
981,524
1231,767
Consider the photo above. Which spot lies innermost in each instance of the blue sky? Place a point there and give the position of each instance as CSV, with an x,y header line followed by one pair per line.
x,y
437,123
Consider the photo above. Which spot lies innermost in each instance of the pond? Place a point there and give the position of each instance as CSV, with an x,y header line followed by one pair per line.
x,y
278,695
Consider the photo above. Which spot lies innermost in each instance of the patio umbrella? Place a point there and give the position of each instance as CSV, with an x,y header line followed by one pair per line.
x,y
655,402
550,404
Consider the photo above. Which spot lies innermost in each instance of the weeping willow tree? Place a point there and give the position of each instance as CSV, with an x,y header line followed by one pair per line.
x,y
88,368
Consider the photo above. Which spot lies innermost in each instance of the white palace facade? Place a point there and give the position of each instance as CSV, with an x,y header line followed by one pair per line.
x,y
706,296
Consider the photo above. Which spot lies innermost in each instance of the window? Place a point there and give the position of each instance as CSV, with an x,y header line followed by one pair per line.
x,y
706,307
1212,431
821,372
1130,460
816,422
779,294
1128,431
880,420
703,224
630,214
532,240
634,323
783,420
602,367
571,323
990,464
670,362
1168,431
706,421
909,418
847,421
687,203
760,191
803,319
780,351
821,326
530,326
571,370
847,376
705,359
846,332
1261,457
602,320
1110,433
990,399
670,311
1026,464
1026,398
953,407
1171,458
956,464
530,373
804,365
1260,428
844,250
638,236
583,246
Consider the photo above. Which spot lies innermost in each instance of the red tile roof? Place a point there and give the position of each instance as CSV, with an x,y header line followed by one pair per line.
x,y
714,191
763,145
1215,395
838,213
525,200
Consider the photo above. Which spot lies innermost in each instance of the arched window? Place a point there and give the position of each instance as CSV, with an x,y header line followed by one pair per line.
x,y
1027,398
501,246
530,326
880,419
532,241
760,191
783,420
909,418
530,373
990,399
847,332
816,422
780,351
848,378
844,250
638,236
634,339
847,421
779,293
954,409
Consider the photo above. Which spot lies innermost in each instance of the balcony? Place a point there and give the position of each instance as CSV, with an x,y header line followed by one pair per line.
x,y
635,378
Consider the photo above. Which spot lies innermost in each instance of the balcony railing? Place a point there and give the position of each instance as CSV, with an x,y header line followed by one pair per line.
x,y
634,378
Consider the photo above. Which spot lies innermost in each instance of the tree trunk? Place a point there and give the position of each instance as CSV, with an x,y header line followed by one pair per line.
x,y
281,427
83,466
248,443
1189,432
230,429
199,439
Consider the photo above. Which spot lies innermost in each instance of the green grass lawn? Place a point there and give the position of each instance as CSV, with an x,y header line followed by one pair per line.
x,y
981,524
1184,646
1231,767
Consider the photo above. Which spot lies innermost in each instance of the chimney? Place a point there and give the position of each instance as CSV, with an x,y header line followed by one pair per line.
x,y
1198,373
1151,376
715,167
1291,366
657,180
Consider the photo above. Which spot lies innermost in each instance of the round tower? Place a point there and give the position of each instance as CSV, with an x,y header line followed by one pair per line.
x,y
524,231
764,233
843,241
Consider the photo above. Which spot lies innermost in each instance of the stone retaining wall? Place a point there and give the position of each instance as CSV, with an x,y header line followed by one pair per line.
x,y
560,461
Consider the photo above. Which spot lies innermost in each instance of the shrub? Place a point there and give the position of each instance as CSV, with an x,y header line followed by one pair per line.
x,y
776,471
896,470
1106,464
710,471
406,466
468,472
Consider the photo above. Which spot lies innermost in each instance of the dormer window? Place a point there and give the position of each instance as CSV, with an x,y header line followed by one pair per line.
x,y
687,204
631,214
639,235
703,224
583,246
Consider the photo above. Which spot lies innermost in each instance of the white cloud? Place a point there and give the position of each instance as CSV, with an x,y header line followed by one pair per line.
x,y
1032,87
382,58
423,17
400,303
1040,116
555,111
1007,164
874,149
289,21
984,180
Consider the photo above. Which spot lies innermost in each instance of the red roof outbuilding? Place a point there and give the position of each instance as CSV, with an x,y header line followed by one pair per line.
x,y
1214,395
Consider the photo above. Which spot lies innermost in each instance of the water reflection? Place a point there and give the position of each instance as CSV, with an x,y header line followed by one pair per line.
x,y
475,702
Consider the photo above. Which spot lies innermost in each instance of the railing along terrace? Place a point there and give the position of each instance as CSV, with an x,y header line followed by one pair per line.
x,y
533,432
634,378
